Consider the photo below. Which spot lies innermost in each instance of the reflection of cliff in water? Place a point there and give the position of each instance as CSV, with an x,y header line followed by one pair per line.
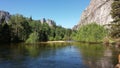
x,y
96,56
106,60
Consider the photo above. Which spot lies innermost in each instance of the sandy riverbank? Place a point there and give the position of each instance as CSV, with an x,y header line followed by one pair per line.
x,y
55,42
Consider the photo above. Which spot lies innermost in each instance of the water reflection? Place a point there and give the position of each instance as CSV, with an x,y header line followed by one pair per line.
x,y
76,55
96,56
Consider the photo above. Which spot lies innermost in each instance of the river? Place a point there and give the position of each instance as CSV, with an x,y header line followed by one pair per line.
x,y
58,55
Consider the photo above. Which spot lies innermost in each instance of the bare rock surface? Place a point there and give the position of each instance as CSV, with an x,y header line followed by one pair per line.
x,y
98,11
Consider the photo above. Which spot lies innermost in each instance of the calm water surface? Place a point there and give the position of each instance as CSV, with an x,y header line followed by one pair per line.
x,y
75,55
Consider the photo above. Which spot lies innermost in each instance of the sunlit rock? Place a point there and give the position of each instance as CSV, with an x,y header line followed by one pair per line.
x,y
98,11
4,16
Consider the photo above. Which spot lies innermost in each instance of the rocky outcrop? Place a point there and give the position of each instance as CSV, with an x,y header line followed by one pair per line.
x,y
48,21
98,11
4,16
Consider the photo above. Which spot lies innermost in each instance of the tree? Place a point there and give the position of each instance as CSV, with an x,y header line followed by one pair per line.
x,y
20,28
115,24
33,38
4,32
90,33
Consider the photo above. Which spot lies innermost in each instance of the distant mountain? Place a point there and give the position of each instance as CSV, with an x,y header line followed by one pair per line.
x,y
4,16
98,11
48,21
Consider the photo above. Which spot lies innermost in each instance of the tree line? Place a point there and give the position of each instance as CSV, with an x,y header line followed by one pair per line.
x,y
24,29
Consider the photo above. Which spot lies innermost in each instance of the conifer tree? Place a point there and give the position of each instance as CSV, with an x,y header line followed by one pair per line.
x,y
115,24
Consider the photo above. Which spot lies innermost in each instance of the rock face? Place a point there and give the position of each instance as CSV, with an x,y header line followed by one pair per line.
x,y
98,11
48,21
4,16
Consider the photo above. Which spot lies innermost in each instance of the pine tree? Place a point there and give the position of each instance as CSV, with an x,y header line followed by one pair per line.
x,y
115,24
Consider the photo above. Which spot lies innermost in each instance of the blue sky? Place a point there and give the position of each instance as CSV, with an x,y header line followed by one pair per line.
x,y
64,12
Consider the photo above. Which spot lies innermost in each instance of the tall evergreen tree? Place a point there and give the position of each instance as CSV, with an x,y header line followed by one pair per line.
x,y
115,24
4,32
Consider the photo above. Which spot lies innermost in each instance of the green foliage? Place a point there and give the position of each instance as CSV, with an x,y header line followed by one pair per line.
x,y
115,25
20,28
33,37
90,33
4,33
23,29
63,34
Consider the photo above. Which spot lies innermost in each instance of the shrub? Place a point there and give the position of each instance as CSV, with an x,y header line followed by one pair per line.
x,y
33,37
90,33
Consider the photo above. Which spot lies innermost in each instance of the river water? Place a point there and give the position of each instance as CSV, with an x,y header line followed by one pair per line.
x,y
64,55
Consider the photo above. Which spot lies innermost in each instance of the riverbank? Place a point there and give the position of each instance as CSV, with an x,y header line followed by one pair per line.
x,y
56,42
72,42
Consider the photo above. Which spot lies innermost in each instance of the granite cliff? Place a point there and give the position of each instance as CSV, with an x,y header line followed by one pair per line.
x,y
98,11
4,16
48,21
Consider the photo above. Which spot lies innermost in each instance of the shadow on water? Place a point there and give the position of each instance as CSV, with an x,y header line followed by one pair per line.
x,y
58,55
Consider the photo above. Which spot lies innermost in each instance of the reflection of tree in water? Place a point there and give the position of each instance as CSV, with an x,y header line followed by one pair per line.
x,y
11,55
9,52
35,50
43,50
115,53
96,56
93,56
20,53
16,51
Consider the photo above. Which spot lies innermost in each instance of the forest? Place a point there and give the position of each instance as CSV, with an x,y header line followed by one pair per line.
x,y
24,29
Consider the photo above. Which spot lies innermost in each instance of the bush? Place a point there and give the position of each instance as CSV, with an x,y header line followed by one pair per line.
x,y
33,37
90,33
